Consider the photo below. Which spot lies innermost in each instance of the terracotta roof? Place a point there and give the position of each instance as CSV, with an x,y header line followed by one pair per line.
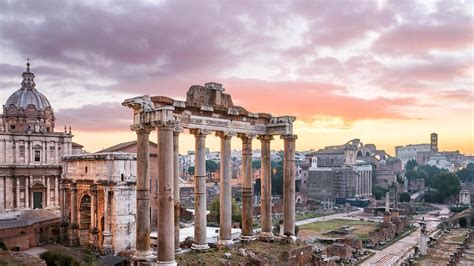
x,y
123,145
76,145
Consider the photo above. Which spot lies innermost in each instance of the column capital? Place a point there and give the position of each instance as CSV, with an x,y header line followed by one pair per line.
x,y
244,136
265,138
177,130
197,132
166,125
289,137
142,128
225,134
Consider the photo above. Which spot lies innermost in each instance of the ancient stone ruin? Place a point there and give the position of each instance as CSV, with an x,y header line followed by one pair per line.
x,y
207,109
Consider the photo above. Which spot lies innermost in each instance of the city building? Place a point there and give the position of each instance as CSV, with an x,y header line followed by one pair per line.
x,y
30,150
338,172
410,151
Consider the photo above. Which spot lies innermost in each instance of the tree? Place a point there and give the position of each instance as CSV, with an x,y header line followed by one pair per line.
x,y
411,174
405,197
447,185
431,171
466,174
277,178
211,166
378,192
191,170
411,164
256,164
257,186
214,209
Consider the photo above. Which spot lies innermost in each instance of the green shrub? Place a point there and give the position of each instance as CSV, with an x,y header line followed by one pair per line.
x,y
3,246
54,258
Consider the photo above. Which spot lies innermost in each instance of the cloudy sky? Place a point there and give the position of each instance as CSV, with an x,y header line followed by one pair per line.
x,y
387,72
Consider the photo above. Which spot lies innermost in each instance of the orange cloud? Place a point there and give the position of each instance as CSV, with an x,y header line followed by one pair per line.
x,y
306,100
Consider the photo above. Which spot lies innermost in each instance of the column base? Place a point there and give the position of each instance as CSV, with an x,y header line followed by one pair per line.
x,y
266,236
291,238
200,247
247,238
167,263
225,243
143,255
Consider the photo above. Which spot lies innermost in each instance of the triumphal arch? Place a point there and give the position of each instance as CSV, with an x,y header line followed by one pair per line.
x,y
207,109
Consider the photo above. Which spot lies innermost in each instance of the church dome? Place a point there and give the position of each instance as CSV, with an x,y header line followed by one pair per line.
x,y
23,97
28,94
27,109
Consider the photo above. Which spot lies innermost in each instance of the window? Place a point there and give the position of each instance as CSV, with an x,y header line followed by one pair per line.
x,y
37,156
12,126
22,151
122,177
85,169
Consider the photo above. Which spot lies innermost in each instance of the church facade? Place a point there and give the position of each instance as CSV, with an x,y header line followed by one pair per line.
x,y
30,150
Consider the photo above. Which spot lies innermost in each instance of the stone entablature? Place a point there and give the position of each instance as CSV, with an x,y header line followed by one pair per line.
x,y
203,110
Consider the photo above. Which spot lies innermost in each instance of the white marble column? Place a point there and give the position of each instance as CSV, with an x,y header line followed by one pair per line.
x,y
43,153
143,251
177,207
225,196
56,191
289,189
247,188
18,192
200,205
2,151
27,192
8,151
166,236
266,188
48,191
2,193
56,152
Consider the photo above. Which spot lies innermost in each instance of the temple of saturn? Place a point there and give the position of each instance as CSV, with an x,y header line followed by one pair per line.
x,y
207,109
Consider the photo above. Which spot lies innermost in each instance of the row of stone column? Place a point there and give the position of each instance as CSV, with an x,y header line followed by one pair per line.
x,y
10,152
168,190
8,182
363,185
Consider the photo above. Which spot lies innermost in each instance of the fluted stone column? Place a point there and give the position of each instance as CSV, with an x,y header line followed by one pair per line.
x,y
225,197
200,204
289,197
143,251
166,237
247,188
266,188
176,187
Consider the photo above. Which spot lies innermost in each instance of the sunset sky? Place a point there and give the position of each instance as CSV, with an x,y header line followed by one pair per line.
x,y
387,72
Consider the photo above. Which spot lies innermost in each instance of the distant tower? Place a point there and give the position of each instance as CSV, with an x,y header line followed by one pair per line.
x,y
434,142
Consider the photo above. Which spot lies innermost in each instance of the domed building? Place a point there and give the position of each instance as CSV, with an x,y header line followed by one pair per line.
x,y
30,150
